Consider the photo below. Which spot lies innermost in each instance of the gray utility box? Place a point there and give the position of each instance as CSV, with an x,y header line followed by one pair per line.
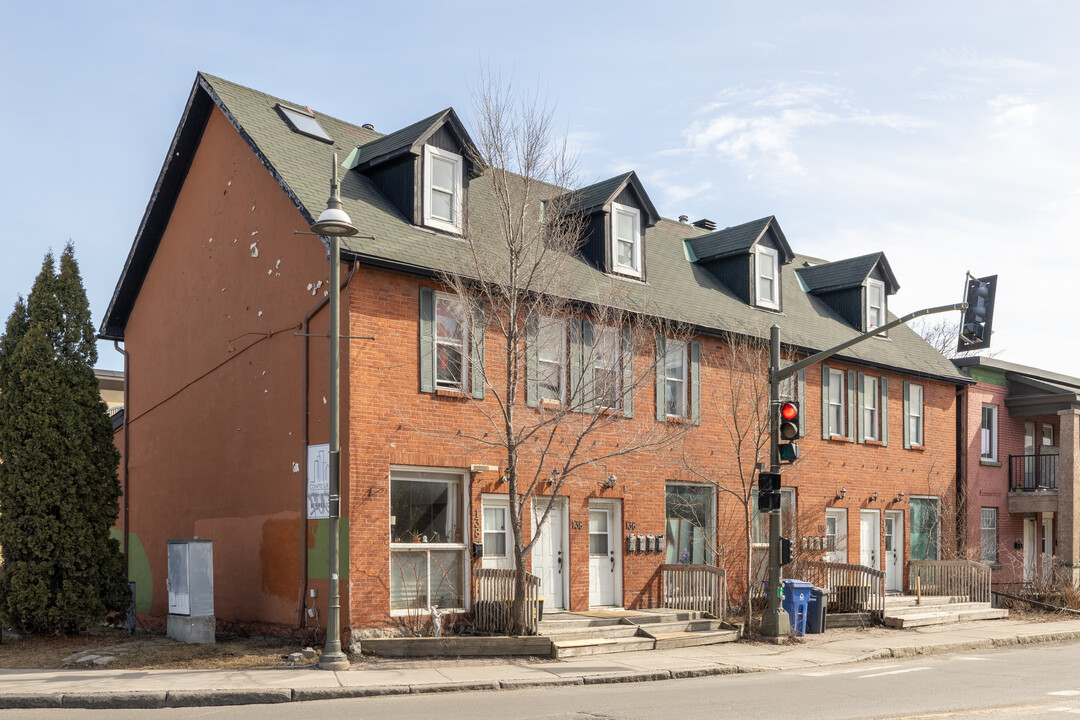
x,y
191,591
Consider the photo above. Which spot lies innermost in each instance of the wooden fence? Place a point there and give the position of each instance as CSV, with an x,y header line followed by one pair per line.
x,y
702,588
961,578
495,598
852,588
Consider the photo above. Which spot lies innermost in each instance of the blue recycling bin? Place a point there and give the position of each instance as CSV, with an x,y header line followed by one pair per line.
x,y
796,602
815,610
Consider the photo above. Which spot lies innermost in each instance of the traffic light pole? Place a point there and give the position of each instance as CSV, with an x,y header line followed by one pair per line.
x,y
775,622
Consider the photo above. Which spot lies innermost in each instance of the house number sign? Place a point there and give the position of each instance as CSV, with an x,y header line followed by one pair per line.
x,y
476,524
575,524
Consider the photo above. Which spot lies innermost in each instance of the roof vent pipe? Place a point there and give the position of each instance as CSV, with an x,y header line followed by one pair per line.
x,y
684,218
368,126
705,224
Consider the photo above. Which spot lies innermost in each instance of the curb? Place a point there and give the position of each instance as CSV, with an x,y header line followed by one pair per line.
x,y
151,700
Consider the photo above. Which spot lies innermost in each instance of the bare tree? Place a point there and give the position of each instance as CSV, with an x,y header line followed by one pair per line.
x,y
518,282
942,335
740,404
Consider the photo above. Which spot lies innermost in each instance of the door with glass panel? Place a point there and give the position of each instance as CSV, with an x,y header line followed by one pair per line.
x,y
604,556
894,551
836,535
549,561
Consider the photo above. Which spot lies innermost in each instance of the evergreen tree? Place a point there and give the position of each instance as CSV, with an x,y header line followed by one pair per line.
x,y
59,491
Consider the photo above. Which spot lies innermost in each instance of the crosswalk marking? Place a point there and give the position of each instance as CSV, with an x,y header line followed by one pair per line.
x,y
849,671
1065,693
894,672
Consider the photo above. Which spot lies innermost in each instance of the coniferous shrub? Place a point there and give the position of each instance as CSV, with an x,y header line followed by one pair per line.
x,y
59,491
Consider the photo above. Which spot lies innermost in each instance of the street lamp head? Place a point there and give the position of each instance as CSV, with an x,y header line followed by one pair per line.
x,y
334,222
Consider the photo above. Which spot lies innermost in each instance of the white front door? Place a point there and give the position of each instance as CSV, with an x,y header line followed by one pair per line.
x,y
1047,547
836,535
894,551
549,562
869,539
1030,542
604,555
498,546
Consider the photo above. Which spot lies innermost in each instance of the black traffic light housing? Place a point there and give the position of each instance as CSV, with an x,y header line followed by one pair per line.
x,y
975,328
785,551
768,491
787,419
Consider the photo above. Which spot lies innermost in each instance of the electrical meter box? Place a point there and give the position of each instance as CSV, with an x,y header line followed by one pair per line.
x,y
191,590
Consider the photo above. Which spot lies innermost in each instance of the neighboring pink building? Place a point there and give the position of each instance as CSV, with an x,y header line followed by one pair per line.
x,y
1018,465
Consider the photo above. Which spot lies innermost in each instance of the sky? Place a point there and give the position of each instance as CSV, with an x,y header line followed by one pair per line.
x,y
943,134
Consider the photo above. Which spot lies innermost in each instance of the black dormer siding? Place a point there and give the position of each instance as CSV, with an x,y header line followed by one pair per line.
x,y
597,247
397,181
736,273
847,303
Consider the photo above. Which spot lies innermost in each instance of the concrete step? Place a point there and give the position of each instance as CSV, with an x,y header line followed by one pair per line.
x,y
600,646
956,607
664,616
942,615
669,640
566,621
893,601
671,626
578,633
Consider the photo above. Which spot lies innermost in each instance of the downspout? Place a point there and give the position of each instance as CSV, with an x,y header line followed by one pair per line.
x,y
126,489
961,468
305,373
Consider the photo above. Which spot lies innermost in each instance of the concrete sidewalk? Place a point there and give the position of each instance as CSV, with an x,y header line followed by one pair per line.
x,y
104,688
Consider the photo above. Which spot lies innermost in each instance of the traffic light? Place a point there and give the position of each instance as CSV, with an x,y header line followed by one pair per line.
x,y
788,422
976,326
768,491
785,551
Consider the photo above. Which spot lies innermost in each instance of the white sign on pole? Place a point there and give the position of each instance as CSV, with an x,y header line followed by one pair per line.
x,y
318,482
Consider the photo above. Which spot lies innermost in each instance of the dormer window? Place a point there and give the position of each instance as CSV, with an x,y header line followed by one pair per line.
x,y
875,304
626,239
442,189
767,276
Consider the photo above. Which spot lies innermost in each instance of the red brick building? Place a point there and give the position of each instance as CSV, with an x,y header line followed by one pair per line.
x,y
1019,456
219,306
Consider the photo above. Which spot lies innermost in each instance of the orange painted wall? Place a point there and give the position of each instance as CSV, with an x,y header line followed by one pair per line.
x,y
216,385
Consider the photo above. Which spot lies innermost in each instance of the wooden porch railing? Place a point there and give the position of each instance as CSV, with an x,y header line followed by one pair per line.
x,y
702,588
495,598
852,588
962,578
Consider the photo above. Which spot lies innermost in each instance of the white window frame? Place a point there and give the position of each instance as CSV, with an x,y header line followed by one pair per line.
x,y
836,380
677,348
988,535
839,534
872,313
635,250
454,224
760,521
461,509
989,435
915,414
773,300
1047,435
607,337
560,357
671,546
464,347
934,501
497,506
871,409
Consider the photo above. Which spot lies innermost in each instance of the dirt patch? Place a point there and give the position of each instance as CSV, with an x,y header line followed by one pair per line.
x,y
114,649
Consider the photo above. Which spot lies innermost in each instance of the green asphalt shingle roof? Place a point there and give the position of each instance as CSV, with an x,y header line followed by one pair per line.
x,y
677,289
729,241
847,273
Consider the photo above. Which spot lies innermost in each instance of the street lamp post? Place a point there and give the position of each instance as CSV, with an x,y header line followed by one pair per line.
x,y
334,223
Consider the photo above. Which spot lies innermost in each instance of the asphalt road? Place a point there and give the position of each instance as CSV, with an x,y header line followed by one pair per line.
x,y
1037,682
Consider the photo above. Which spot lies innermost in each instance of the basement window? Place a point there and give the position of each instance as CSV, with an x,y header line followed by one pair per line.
x,y
304,122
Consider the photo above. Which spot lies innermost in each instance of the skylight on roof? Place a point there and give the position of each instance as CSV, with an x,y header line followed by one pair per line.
x,y
304,122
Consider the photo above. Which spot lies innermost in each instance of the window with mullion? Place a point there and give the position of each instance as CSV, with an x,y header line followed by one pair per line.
x,y
915,415
875,304
626,238
551,359
675,378
989,432
988,535
451,342
442,189
870,408
836,402
607,372
767,278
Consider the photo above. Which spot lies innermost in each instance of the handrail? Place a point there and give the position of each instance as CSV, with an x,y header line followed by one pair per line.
x,y
699,588
495,595
851,588
1028,473
960,578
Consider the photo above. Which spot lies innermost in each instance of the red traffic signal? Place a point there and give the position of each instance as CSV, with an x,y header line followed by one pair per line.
x,y
789,420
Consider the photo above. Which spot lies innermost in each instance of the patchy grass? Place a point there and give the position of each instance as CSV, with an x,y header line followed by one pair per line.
x,y
145,651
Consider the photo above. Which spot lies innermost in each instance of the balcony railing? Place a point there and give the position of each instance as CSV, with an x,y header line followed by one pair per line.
x,y
1028,473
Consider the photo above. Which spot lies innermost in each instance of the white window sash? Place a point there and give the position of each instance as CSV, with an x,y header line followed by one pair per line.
x,y
430,219
870,408
461,346
677,349
551,357
606,342
875,313
634,268
772,299
836,406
